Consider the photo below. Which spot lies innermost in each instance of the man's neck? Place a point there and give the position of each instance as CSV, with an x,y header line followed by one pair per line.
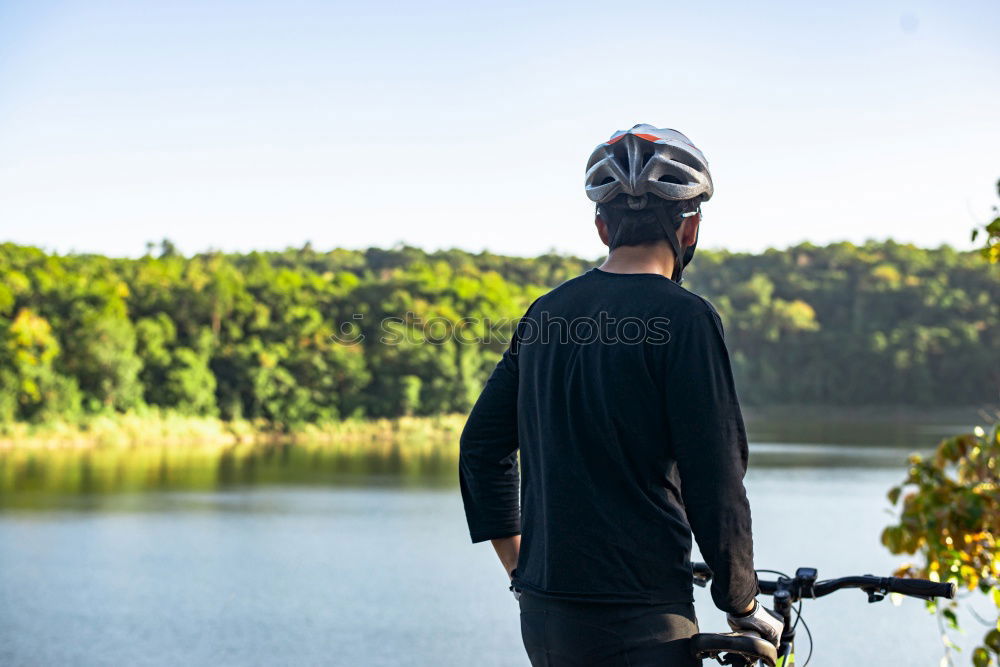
x,y
655,258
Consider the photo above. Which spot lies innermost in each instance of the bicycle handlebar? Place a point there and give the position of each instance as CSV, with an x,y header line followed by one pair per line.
x,y
921,588
876,587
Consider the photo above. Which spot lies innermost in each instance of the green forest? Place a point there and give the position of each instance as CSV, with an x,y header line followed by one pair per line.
x,y
267,335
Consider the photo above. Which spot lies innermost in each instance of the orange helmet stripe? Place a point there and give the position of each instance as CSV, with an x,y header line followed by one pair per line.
x,y
647,137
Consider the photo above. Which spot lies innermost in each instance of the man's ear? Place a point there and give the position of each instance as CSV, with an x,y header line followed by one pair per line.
x,y
602,230
689,230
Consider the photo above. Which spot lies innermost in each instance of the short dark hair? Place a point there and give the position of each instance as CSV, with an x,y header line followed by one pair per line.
x,y
630,227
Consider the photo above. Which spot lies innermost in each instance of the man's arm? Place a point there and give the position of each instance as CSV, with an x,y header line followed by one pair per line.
x,y
507,549
488,472
710,445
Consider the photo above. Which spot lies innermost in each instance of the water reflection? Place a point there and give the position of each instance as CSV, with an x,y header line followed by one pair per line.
x,y
39,477
48,478
912,432
804,455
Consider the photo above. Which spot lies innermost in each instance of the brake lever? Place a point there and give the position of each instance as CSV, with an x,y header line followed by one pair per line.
x,y
875,593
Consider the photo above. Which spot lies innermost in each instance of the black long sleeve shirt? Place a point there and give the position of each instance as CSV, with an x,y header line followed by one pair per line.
x,y
618,392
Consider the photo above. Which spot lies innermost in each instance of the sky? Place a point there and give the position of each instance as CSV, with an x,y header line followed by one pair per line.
x,y
264,125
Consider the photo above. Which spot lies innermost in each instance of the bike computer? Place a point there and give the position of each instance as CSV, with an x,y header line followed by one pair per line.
x,y
806,578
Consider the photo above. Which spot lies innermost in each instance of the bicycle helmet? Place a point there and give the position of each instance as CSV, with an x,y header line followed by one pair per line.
x,y
643,162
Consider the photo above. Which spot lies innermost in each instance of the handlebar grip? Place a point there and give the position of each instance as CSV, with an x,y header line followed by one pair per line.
x,y
922,588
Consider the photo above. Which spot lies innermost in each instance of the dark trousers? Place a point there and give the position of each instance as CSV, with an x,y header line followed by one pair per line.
x,y
560,633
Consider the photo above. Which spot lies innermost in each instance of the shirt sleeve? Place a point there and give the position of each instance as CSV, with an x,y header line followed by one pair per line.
x,y
487,465
710,446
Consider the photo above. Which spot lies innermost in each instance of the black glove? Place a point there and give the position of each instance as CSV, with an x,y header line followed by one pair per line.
x,y
763,621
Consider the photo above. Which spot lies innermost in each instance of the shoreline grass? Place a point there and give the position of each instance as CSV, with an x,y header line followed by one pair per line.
x,y
155,428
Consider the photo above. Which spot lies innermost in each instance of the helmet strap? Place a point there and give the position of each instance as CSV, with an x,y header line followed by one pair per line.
x,y
668,230
689,251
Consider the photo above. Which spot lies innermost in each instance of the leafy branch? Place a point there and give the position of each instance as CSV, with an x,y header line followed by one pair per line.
x,y
950,516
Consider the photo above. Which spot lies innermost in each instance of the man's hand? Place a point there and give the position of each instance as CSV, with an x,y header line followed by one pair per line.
x,y
760,620
507,549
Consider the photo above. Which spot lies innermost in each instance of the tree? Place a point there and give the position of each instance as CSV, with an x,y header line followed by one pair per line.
x,y
991,247
257,335
950,516
32,388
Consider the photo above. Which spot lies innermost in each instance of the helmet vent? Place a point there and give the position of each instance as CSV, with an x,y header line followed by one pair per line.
x,y
622,159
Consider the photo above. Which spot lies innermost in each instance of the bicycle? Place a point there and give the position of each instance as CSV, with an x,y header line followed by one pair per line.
x,y
746,649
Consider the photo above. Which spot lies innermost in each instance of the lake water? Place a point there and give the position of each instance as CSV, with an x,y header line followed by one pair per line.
x,y
287,556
